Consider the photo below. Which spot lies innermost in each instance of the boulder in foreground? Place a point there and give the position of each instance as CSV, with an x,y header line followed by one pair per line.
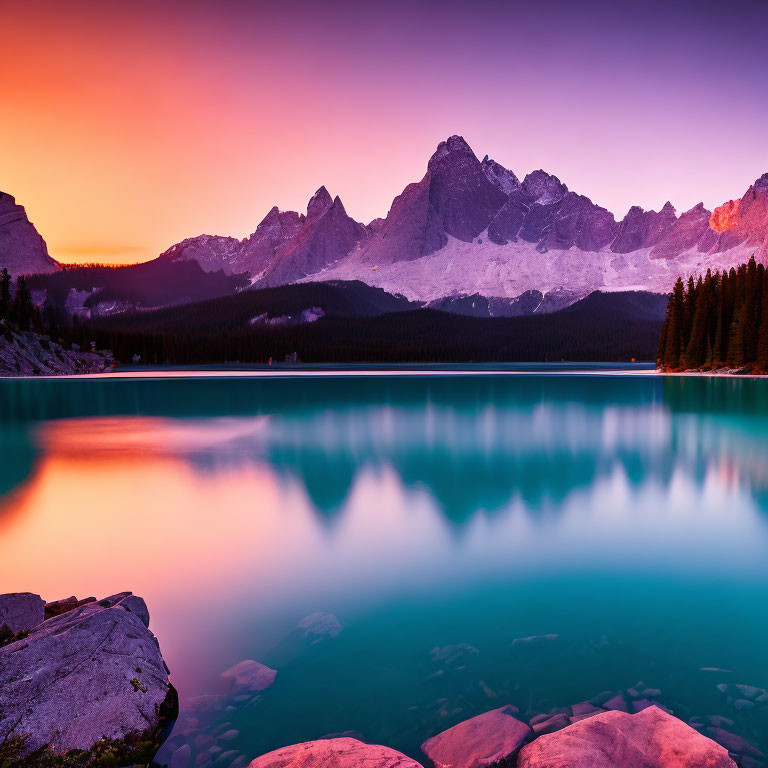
x,y
334,753
650,739
91,674
479,742
20,611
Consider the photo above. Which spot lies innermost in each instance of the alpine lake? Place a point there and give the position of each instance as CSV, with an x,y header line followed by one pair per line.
x,y
528,535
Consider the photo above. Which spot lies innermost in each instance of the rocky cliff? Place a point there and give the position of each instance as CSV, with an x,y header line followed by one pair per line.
x,y
24,353
22,249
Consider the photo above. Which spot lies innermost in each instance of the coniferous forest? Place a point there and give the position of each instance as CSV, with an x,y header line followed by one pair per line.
x,y
719,321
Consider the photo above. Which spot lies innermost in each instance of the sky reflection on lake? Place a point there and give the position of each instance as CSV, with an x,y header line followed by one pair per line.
x,y
625,513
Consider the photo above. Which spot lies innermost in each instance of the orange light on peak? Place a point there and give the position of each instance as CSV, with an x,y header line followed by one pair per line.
x,y
724,216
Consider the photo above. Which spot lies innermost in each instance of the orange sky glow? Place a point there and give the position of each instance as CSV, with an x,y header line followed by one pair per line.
x,y
126,127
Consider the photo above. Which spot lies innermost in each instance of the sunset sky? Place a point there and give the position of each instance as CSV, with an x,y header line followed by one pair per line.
x,y
128,126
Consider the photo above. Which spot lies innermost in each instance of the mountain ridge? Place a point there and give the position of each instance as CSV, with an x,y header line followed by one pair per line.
x,y
470,226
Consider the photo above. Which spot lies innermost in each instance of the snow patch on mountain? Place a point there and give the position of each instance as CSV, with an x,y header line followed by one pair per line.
x,y
512,269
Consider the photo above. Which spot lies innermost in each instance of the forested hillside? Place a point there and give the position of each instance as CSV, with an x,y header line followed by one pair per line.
x,y
601,327
720,321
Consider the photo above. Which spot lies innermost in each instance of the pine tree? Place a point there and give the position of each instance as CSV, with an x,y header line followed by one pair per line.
x,y
697,348
5,294
736,336
674,331
22,311
761,353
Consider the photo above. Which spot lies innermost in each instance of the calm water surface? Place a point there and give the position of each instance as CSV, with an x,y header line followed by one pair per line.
x,y
625,514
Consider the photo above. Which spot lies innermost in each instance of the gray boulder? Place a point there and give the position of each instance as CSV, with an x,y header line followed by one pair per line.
x,y
90,674
20,610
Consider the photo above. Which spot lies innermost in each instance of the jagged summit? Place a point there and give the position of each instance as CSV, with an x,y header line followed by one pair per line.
x,y
318,204
500,176
452,145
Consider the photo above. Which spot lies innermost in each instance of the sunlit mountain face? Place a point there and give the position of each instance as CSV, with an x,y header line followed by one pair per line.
x,y
616,513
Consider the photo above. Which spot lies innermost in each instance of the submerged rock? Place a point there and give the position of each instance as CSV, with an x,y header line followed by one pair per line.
x,y
320,625
734,743
20,611
248,676
651,739
90,674
334,753
550,724
533,639
478,742
450,655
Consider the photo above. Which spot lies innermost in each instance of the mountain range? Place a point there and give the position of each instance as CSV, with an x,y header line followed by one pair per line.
x,y
468,238
471,228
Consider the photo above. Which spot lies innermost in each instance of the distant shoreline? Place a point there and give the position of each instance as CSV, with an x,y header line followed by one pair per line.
x,y
368,370
734,373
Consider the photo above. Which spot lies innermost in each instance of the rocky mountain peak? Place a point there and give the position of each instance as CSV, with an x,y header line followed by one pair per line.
x,y
725,216
318,204
697,211
6,201
497,174
338,205
452,145
22,250
10,210
543,188
460,192
760,187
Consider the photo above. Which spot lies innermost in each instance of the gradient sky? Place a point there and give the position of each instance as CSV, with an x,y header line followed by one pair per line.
x,y
127,126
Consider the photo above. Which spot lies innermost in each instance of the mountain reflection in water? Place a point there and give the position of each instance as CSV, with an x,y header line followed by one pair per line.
x,y
625,514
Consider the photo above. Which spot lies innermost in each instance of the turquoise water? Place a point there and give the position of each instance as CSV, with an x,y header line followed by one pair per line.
x,y
623,514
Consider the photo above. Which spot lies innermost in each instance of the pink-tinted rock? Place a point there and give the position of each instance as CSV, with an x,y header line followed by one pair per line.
x,y
577,718
550,724
641,704
650,739
584,708
248,676
617,702
20,610
734,743
478,742
334,753
539,718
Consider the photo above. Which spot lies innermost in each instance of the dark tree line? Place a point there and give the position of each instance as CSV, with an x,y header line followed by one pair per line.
x,y
414,336
718,321
16,306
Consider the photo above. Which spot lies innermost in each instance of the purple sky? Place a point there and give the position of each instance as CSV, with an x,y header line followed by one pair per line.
x,y
127,126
